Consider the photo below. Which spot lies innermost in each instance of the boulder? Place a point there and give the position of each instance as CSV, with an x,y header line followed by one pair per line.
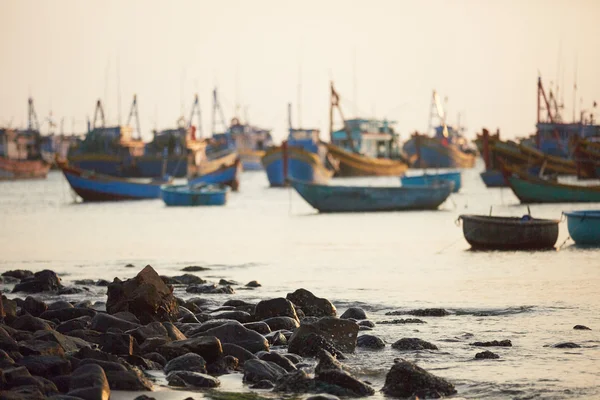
x,y
43,281
151,330
210,288
117,343
94,354
34,306
253,284
356,313
31,324
45,366
131,380
225,365
278,307
173,332
89,382
346,381
103,322
264,384
306,343
60,304
581,328
195,268
405,378
67,314
366,323
69,344
486,355
185,279
260,327
40,348
127,316
243,355
327,362
322,396
45,386
187,362
493,343
279,323
192,379
235,315
142,363
341,332
152,344
276,338
18,274
312,305
156,358
74,324
8,309
258,370
29,392
146,296
278,359
370,342
236,333
408,344
566,345
209,347
402,321
429,312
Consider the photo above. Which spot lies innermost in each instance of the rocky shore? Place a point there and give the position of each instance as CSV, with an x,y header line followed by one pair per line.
x,y
292,346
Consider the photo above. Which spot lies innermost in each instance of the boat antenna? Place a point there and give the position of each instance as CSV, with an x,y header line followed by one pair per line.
x,y
119,90
290,117
132,112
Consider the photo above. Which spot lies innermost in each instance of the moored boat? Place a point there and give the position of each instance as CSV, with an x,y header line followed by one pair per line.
x,y
584,226
92,186
509,233
219,169
429,179
493,178
326,198
190,195
23,169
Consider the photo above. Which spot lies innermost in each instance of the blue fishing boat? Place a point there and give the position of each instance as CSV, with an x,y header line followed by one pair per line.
x,y
302,157
584,226
193,195
91,186
493,178
327,198
429,179
219,169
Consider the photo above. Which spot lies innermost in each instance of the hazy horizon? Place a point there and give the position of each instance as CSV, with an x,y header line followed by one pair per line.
x,y
387,56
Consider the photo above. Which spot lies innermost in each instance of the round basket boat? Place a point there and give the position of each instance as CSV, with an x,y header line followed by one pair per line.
x,y
584,226
509,233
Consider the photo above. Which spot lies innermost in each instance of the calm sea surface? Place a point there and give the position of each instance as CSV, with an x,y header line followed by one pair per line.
x,y
381,262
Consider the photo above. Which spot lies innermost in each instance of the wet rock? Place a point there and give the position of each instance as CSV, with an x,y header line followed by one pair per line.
x,y
87,335
405,379
195,268
152,344
346,381
486,355
142,363
187,362
260,327
67,314
192,379
407,344
74,324
146,296
30,324
210,288
276,338
157,358
62,383
69,344
493,343
102,282
209,347
9,280
40,348
307,343
144,397
189,319
94,354
253,284
6,361
8,309
43,281
327,362
60,304
84,304
7,343
34,306
366,323
294,358
258,370
173,332
118,344
264,384
18,274
296,382
356,313
310,304
402,321
106,365
151,330
323,396
277,359
45,386
225,365
132,380
370,342
71,290
279,323
185,279
127,316
581,328
239,316
236,333
29,392
103,322
84,282
342,333
429,312
45,366
238,352
566,345
89,382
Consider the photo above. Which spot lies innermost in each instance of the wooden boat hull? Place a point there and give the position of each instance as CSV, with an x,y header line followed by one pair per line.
x,y
22,169
584,227
302,165
328,199
351,164
430,179
184,195
91,186
493,178
432,153
251,159
224,170
501,233
130,167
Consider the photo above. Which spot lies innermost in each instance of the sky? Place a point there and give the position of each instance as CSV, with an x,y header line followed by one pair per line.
x,y
385,58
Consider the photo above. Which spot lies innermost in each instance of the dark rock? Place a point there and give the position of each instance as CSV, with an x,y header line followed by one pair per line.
x,y
405,378
7,343
131,380
192,379
493,343
195,268
18,274
189,319
253,284
40,348
225,365
29,392
238,352
87,335
43,281
407,344
74,324
370,342
260,327
566,345
62,383
106,365
276,338
185,279
45,386
84,282
103,322
279,323
34,306
342,333
187,362
344,380
239,316
173,332
356,313
296,382
151,330
146,296
206,326
307,343
94,354
327,362
258,370
226,282
129,266
60,304
69,344
366,323
236,333
89,382
127,316
210,288
488,355
118,344
9,280
323,396
237,303
278,359
102,282
84,304
152,344
67,314
294,358
209,347
403,321
429,312
264,384
142,363
581,328
71,290
157,358
310,304
6,361
144,397
30,324
45,366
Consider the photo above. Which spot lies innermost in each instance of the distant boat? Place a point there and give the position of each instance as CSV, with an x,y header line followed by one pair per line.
x,y
190,195
493,178
302,157
220,169
22,169
584,226
363,198
91,186
429,179
531,189
507,233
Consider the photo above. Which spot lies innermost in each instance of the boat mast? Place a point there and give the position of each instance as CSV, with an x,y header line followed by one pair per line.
x,y
32,119
216,108
290,117
196,111
99,110
335,103
134,110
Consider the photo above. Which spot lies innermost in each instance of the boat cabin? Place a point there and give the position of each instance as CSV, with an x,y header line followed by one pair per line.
x,y
20,144
373,138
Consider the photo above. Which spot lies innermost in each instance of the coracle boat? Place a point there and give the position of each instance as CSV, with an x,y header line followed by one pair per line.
x,y
327,198
428,179
584,226
509,233
199,195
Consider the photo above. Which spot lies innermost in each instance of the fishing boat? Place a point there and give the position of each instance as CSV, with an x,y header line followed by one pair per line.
x,y
302,157
22,169
584,226
533,189
92,186
193,195
587,158
217,169
327,199
364,147
509,233
493,179
447,148
429,179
